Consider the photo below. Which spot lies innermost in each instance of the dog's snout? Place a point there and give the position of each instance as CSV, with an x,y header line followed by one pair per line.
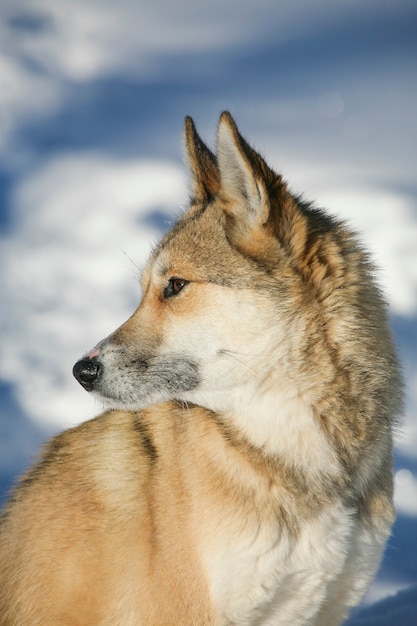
x,y
86,372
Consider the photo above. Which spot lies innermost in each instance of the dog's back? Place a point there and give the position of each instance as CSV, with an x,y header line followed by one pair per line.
x,y
244,473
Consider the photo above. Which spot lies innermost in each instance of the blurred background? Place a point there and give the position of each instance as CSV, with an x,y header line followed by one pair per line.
x,y
93,95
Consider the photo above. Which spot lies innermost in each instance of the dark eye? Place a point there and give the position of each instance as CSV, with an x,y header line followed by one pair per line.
x,y
174,286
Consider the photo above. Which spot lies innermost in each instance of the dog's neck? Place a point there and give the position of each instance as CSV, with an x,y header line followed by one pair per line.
x,y
280,422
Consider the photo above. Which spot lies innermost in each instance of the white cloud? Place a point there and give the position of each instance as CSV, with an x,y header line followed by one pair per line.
x,y
22,93
406,438
65,280
45,45
399,608
406,492
83,40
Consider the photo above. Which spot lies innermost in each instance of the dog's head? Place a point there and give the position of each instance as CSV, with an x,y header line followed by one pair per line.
x,y
222,291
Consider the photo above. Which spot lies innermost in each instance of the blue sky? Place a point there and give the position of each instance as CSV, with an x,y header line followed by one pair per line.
x,y
92,100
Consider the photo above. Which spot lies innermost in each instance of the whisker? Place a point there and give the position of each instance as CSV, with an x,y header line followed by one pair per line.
x,y
139,269
232,355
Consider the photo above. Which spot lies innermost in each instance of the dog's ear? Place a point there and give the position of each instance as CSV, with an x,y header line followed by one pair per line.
x,y
263,217
202,164
243,175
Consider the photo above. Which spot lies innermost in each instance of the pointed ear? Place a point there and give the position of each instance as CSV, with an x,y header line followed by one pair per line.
x,y
243,175
202,164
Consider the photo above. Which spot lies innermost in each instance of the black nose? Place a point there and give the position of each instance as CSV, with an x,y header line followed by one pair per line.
x,y
86,372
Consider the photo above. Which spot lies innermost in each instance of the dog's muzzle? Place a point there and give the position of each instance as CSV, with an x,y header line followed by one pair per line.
x,y
86,371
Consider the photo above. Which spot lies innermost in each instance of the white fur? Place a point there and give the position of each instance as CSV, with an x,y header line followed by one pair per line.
x,y
253,578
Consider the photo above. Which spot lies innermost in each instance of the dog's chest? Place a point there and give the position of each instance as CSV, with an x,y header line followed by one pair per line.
x,y
242,571
264,574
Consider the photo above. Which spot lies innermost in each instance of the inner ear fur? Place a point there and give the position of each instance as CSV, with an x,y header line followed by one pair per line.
x,y
256,198
202,165
242,174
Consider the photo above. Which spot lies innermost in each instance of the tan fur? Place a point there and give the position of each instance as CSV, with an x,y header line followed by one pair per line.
x,y
243,475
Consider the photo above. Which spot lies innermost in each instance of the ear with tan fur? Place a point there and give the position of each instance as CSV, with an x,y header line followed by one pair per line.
x,y
264,215
202,164
243,175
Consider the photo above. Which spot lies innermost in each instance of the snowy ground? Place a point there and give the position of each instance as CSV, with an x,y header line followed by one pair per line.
x,y
92,100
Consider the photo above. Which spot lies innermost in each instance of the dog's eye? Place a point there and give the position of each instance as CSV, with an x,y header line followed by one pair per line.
x,y
174,286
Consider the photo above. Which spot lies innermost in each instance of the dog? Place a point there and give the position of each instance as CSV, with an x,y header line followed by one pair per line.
x,y
243,472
